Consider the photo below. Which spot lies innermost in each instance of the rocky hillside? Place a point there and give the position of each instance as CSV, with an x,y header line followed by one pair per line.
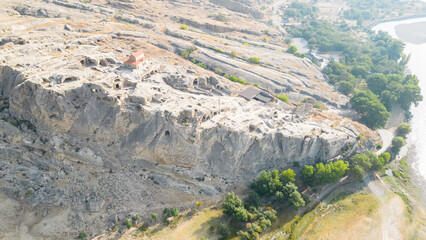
x,y
86,142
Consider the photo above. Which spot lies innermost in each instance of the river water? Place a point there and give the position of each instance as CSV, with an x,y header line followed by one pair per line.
x,y
413,33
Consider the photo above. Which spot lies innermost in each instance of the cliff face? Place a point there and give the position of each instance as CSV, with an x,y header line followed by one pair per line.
x,y
223,146
86,142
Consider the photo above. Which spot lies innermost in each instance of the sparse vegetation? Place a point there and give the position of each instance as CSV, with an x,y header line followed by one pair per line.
x,y
184,27
154,216
82,236
282,97
254,60
218,71
318,105
221,17
128,223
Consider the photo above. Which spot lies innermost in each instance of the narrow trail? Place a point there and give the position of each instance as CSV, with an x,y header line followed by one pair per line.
x,y
391,211
276,18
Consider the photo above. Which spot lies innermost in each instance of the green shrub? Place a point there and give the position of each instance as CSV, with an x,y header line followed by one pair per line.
x,y
128,223
154,216
379,146
403,129
218,50
233,54
318,105
256,85
282,97
202,65
292,49
359,137
82,236
174,212
254,60
298,54
136,217
184,27
218,71
396,173
221,17
185,54
144,227
397,144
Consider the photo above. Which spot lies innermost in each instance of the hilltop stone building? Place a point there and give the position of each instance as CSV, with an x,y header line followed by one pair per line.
x,y
135,60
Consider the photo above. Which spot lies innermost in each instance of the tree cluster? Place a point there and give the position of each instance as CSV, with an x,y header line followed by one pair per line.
x,y
322,173
300,10
367,161
378,62
279,184
257,218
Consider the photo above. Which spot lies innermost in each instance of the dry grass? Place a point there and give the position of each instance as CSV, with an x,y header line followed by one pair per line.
x,y
194,228
343,218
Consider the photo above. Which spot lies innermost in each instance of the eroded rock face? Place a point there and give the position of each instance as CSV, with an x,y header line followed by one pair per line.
x,y
239,6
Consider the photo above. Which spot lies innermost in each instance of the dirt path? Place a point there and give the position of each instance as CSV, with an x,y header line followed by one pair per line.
x,y
391,213
386,136
276,18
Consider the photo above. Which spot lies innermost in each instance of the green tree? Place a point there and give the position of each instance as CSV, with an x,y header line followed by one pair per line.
x,y
386,157
288,176
403,129
268,183
373,113
360,71
241,214
232,203
361,160
376,163
293,196
411,94
292,49
397,144
253,200
346,87
154,216
357,172
280,196
308,175
377,83
174,212
388,98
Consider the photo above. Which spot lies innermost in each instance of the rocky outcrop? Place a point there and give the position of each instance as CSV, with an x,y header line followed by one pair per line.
x,y
239,6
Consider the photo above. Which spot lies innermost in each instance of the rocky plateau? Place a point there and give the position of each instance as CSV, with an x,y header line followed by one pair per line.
x,y
86,142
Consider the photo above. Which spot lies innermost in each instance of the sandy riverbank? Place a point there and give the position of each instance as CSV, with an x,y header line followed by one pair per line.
x,y
412,32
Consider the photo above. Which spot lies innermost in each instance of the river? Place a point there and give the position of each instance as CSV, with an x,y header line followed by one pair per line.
x,y
413,33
